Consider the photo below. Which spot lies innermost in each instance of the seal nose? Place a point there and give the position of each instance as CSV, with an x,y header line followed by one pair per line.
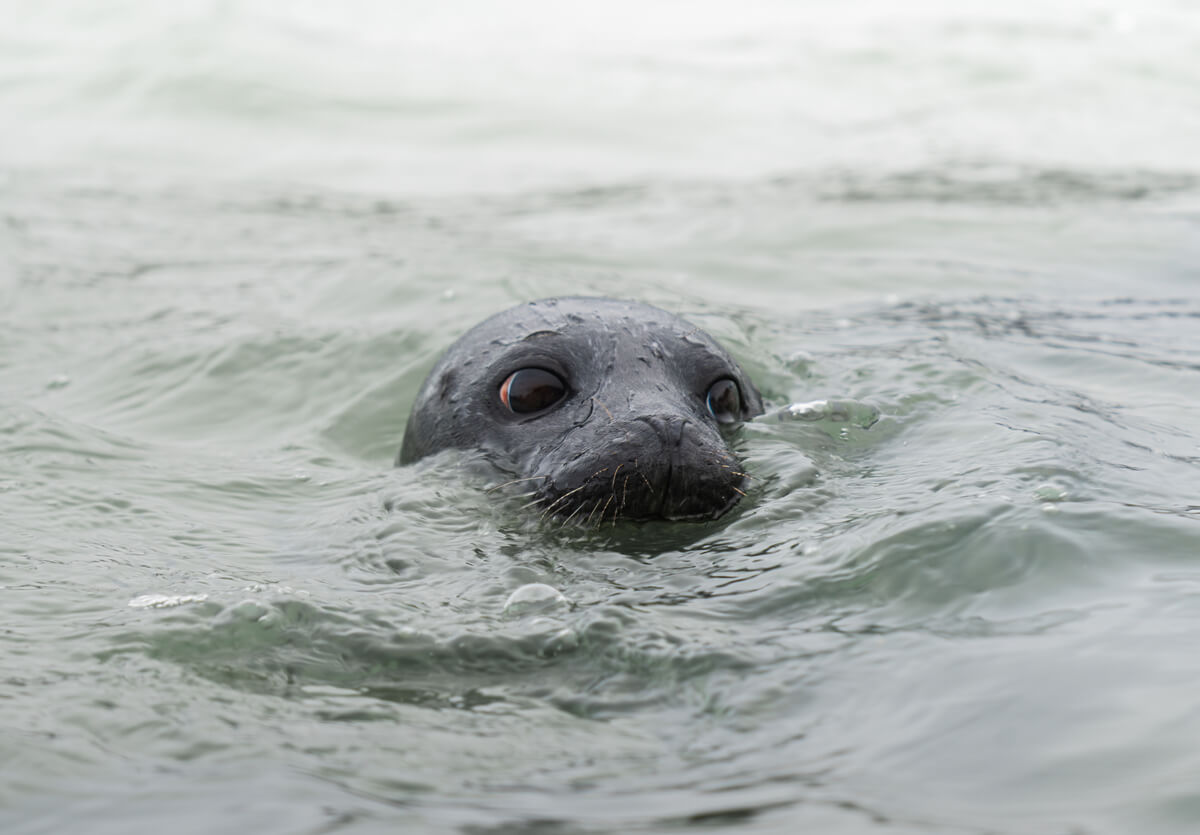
x,y
662,466
692,480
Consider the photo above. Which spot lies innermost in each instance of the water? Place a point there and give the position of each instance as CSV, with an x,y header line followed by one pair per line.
x,y
962,596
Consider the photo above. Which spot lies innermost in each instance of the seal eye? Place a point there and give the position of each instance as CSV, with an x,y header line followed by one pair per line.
x,y
531,390
725,401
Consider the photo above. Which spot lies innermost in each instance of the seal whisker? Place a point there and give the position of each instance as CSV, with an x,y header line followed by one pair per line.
x,y
578,508
614,478
566,521
563,497
496,487
532,503
588,481
736,472
595,507
600,403
611,496
648,484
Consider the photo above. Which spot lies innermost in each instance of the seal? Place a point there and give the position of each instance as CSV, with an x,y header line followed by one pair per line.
x,y
608,409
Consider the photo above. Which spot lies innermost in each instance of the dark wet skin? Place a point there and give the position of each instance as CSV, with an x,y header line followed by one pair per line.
x,y
604,409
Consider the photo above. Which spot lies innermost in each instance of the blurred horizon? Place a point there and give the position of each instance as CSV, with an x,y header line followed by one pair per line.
x,y
444,98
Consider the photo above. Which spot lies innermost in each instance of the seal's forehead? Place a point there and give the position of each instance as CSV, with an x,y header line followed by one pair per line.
x,y
588,317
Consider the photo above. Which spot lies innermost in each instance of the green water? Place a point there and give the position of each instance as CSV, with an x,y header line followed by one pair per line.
x,y
233,238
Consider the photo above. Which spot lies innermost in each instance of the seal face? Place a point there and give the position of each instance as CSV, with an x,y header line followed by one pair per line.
x,y
609,409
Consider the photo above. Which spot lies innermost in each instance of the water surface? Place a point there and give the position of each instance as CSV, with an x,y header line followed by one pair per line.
x,y
235,237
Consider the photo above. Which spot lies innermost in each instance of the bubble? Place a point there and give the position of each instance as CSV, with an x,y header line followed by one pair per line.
x,y
534,598
1050,493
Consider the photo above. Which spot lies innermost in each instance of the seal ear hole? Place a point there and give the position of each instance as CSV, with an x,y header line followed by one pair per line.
x,y
724,401
531,390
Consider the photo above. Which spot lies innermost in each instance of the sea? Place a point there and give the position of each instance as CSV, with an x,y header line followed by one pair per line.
x,y
955,243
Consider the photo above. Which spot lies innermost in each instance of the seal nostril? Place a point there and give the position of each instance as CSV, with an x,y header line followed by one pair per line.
x,y
669,428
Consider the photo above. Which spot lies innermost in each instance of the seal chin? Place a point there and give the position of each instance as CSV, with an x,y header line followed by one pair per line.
x,y
600,500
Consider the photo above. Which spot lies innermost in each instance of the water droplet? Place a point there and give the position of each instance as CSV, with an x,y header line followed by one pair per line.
x,y
863,415
165,601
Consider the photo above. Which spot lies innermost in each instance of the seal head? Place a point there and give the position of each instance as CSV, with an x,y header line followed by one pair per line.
x,y
610,409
